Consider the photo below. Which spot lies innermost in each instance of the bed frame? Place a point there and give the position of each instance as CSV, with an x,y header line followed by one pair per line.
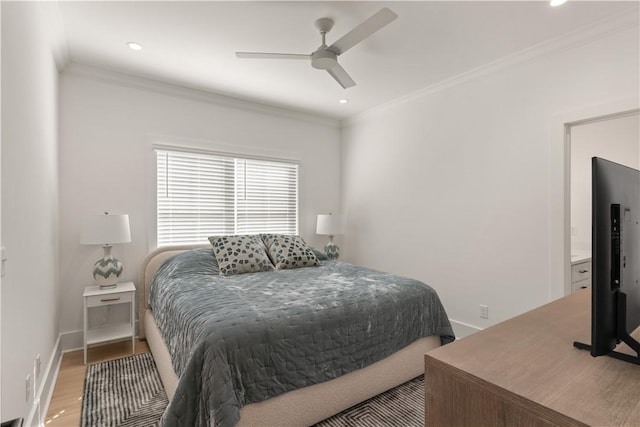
x,y
302,407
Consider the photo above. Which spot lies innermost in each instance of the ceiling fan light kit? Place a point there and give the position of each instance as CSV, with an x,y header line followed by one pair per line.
x,y
326,57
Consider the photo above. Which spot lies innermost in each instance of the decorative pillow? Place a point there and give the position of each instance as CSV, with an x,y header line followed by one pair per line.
x,y
289,251
240,254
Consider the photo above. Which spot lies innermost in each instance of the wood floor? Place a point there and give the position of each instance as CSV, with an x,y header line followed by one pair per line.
x,y
66,403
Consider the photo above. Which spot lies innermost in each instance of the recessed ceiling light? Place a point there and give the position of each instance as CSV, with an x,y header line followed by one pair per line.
x,y
557,2
343,101
134,46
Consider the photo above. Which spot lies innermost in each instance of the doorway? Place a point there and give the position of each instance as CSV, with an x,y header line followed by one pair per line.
x,y
613,137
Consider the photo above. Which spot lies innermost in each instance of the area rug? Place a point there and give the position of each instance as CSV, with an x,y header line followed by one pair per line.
x,y
402,406
128,392
125,392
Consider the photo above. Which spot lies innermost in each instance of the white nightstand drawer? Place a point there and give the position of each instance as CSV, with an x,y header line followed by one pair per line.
x,y
115,298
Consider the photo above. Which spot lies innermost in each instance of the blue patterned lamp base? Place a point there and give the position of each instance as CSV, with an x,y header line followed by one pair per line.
x,y
332,250
107,271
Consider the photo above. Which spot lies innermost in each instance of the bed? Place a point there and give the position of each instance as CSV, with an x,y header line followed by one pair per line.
x,y
296,399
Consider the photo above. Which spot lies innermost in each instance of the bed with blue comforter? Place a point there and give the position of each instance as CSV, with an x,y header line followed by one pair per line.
x,y
235,340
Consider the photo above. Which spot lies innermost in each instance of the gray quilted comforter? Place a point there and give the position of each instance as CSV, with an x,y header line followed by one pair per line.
x,y
240,339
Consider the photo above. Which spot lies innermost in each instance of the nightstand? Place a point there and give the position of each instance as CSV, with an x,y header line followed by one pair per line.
x,y
124,293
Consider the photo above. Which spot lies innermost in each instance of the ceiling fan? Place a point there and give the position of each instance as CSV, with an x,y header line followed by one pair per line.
x,y
326,57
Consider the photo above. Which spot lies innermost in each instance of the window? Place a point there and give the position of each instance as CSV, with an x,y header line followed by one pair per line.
x,y
201,195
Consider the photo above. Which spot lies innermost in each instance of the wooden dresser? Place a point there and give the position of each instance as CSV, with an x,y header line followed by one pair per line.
x,y
526,372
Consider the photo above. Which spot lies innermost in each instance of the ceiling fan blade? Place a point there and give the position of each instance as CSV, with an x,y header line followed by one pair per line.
x,y
362,31
341,76
264,55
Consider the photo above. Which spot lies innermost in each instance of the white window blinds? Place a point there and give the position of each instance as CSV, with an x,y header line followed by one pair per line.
x,y
201,195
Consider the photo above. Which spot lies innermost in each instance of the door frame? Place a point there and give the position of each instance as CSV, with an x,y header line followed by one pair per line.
x,y
559,261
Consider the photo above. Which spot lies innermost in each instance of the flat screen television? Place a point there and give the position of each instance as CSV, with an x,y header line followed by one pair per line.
x,y
615,298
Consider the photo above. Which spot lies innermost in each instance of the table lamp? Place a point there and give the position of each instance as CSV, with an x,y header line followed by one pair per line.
x,y
106,230
330,225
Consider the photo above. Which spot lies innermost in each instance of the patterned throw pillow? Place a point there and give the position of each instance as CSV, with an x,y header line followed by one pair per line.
x,y
240,254
288,251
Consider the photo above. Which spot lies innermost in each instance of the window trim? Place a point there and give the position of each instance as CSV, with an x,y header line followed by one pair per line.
x,y
183,149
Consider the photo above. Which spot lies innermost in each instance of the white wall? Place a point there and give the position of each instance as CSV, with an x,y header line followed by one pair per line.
x,y
29,202
107,125
617,140
451,186
2,252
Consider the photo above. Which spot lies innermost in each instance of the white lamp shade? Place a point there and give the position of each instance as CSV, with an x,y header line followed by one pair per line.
x,y
105,229
330,224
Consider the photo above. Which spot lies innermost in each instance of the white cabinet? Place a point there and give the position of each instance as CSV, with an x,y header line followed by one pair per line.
x,y
94,296
580,274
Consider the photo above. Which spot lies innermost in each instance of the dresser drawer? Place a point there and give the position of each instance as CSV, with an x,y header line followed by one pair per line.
x,y
115,298
581,271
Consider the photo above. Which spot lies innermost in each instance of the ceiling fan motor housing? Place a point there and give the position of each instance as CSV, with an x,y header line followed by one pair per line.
x,y
323,59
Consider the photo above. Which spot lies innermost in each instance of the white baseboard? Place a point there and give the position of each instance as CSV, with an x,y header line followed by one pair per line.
x,y
462,329
38,411
74,340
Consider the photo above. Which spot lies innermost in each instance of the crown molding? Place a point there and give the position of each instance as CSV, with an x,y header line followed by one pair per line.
x,y
75,69
596,31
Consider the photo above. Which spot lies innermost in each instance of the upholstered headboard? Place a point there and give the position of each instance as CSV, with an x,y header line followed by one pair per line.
x,y
148,269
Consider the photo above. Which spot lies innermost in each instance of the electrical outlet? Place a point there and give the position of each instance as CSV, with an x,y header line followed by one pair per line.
x,y
37,365
27,394
484,311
